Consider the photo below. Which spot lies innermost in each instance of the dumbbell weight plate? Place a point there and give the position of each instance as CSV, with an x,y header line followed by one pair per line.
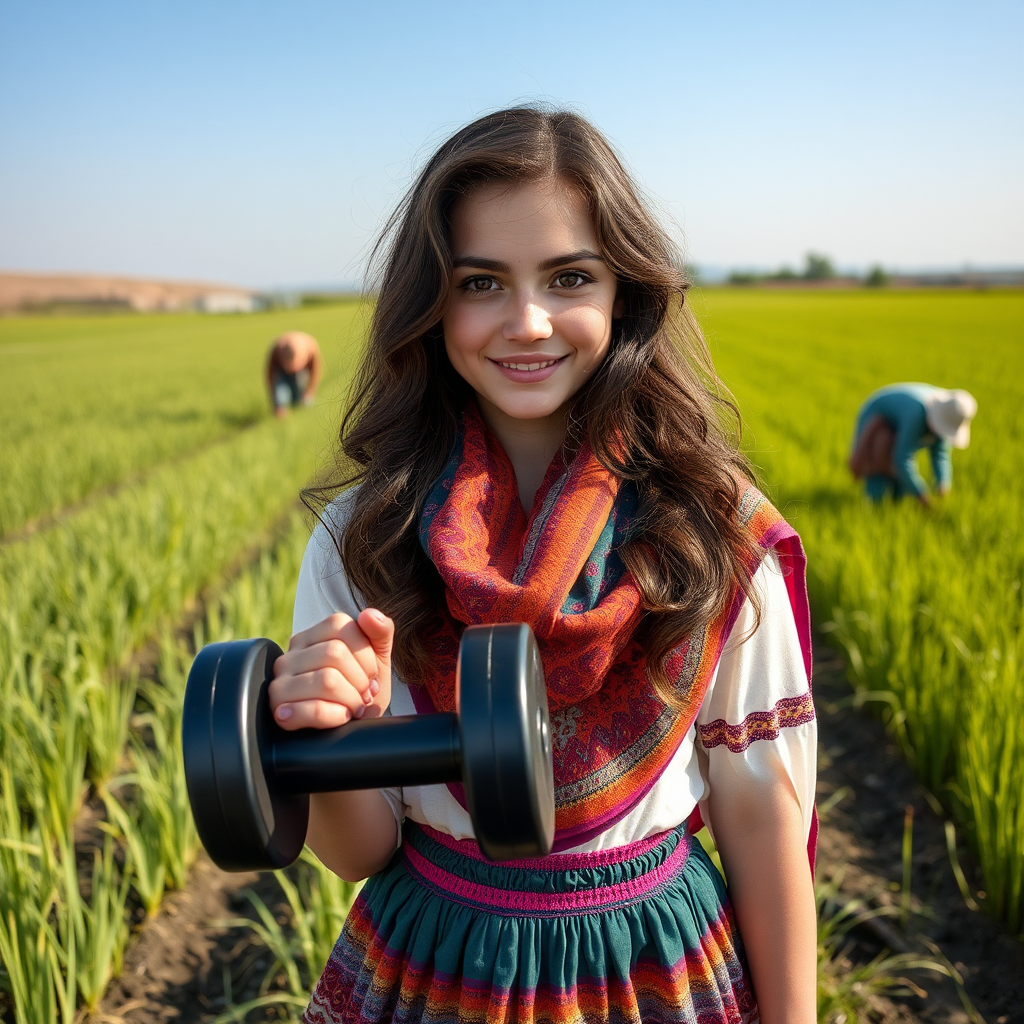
x,y
506,741
243,826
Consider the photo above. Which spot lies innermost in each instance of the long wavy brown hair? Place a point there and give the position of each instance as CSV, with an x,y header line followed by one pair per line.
x,y
655,413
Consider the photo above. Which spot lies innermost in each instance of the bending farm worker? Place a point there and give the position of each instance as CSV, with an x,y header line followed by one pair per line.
x,y
294,367
898,420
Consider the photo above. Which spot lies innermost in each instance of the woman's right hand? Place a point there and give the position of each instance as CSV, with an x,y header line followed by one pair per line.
x,y
335,671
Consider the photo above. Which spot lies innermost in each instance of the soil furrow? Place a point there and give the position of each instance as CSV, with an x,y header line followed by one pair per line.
x,y
860,845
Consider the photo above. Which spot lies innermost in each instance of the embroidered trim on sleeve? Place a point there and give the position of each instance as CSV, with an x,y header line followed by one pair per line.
x,y
759,725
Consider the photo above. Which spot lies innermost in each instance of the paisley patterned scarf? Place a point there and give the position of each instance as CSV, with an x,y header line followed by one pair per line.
x,y
559,570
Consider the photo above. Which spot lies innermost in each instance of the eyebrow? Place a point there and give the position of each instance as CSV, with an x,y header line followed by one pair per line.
x,y
499,267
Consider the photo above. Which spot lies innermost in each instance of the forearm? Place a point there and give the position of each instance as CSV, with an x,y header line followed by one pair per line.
x,y
760,839
904,456
942,466
353,833
908,475
315,372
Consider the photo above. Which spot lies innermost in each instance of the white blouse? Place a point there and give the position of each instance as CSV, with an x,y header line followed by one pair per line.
x,y
757,709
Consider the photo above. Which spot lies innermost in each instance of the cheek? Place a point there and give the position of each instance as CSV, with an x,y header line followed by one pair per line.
x,y
465,332
587,328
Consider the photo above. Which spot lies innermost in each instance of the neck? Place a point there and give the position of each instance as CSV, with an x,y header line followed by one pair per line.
x,y
529,444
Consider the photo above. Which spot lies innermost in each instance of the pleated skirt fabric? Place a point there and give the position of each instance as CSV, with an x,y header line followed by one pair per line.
x,y
642,934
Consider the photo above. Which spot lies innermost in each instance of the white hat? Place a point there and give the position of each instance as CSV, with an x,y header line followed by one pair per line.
x,y
949,414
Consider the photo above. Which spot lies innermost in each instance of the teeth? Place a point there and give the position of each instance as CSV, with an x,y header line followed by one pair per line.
x,y
528,366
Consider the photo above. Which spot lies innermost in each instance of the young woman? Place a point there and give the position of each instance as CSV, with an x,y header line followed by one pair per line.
x,y
536,436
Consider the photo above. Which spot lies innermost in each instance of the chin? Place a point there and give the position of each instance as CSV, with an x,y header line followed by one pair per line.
x,y
526,415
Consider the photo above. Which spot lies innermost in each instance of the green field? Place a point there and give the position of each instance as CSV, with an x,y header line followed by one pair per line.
x,y
149,505
172,494
926,604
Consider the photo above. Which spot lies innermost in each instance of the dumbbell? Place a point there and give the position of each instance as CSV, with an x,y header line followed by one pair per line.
x,y
249,780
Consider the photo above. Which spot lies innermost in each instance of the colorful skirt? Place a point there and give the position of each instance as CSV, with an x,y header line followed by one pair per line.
x,y
642,934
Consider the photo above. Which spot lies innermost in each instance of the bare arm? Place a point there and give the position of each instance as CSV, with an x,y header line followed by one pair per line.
x,y
333,672
316,369
270,367
758,828
354,834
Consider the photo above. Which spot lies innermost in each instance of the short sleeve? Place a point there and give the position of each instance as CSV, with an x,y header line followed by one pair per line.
x,y
758,711
323,589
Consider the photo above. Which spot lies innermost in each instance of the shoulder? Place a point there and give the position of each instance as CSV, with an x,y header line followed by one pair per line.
x,y
764,672
903,399
323,586
763,521
777,565
332,522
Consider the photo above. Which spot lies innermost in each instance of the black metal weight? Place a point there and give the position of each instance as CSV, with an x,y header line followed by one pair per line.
x,y
248,779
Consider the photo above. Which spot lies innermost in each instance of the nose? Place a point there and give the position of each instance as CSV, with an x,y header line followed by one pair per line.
x,y
527,321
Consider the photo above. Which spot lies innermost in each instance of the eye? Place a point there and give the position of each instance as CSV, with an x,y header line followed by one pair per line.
x,y
571,279
479,283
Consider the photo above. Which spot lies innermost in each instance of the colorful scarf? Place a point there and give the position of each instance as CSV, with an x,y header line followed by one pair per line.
x,y
559,570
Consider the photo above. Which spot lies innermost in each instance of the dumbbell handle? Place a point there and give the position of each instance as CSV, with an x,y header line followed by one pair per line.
x,y
366,754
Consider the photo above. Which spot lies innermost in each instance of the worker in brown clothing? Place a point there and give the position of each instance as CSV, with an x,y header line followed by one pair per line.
x,y
294,366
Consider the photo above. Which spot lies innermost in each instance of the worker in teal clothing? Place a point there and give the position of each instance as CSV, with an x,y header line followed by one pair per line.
x,y
894,423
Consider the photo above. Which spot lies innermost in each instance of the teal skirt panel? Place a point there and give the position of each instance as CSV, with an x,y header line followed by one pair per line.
x,y
642,934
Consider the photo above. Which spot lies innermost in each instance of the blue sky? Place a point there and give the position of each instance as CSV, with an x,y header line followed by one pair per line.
x,y
263,143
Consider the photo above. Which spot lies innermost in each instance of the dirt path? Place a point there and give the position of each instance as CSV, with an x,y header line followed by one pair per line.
x,y
861,843
176,970
184,961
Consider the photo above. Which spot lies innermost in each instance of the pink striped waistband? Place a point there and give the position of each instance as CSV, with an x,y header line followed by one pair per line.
x,y
556,861
526,901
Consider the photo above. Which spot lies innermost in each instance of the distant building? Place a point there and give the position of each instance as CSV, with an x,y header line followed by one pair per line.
x,y
226,302
36,292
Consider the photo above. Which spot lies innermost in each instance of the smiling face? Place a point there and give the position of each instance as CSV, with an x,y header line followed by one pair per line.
x,y
529,318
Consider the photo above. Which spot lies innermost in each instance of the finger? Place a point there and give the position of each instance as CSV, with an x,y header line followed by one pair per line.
x,y
331,654
379,630
326,684
338,626
314,714
325,629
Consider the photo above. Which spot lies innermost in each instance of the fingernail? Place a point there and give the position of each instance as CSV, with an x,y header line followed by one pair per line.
x,y
284,712
379,616
359,711
374,687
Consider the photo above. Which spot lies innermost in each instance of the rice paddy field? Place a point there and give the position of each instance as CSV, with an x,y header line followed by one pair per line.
x,y
149,505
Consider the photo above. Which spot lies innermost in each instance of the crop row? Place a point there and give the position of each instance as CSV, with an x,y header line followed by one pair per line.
x,y
63,932
78,598
926,604
88,402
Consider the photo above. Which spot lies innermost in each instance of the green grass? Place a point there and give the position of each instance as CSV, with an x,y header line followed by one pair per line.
x,y
90,401
98,584
80,596
926,604
59,948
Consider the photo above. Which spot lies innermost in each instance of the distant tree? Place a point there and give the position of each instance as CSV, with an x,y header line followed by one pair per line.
x,y
876,277
784,274
818,267
742,277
